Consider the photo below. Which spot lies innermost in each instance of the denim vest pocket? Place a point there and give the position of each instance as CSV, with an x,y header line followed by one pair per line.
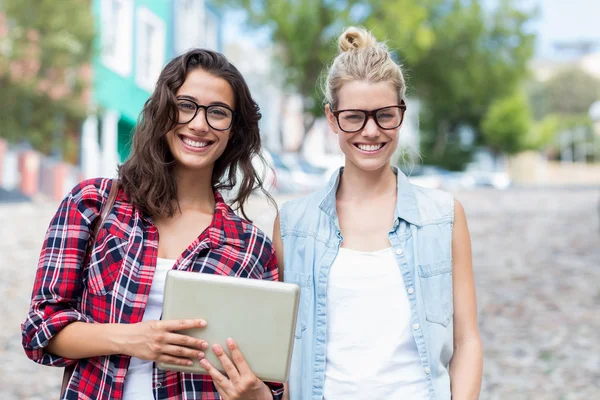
x,y
306,283
436,288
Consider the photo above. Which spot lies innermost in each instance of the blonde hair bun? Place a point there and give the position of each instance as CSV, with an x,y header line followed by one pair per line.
x,y
355,38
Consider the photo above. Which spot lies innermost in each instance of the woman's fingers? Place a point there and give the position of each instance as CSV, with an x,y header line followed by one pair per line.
x,y
186,341
168,359
228,366
182,324
218,378
182,352
238,358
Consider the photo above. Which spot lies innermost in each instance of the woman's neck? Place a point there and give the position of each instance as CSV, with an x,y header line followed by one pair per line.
x,y
358,185
194,190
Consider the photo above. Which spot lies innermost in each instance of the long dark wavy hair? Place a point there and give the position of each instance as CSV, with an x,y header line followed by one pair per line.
x,y
147,176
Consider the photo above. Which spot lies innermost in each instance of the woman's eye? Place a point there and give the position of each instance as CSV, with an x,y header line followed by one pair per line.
x,y
186,106
354,117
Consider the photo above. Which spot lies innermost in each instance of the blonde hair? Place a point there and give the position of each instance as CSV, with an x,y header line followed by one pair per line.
x,y
361,58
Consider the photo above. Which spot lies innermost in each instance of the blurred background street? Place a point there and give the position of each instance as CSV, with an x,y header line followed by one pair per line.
x,y
503,111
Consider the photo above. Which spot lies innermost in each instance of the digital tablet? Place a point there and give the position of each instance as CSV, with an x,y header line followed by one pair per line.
x,y
259,315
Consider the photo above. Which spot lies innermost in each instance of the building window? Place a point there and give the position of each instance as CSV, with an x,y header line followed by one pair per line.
x,y
150,48
117,35
211,40
189,21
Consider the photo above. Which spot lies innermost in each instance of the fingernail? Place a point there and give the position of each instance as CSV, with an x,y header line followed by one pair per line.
x,y
230,342
204,345
190,363
217,349
204,364
201,355
203,323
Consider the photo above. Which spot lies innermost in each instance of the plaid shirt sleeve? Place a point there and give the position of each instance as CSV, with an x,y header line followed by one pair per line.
x,y
271,273
58,281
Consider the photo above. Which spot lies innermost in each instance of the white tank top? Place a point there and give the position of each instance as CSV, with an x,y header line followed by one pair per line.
x,y
138,380
371,351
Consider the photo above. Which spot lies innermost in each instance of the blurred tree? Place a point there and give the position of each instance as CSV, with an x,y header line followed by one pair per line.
x,y
41,56
571,91
458,57
470,58
506,125
304,34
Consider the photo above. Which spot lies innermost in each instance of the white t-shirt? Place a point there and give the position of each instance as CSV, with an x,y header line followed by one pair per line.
x,y
371,350
138,381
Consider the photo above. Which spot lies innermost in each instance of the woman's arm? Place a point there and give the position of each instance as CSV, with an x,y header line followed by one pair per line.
x,y
59,278
466,364
148,340
55,331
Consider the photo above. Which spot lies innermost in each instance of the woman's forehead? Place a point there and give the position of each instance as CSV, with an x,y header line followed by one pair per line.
x,y
206,88
364,95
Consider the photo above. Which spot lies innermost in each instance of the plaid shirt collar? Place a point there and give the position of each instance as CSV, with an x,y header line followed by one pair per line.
x,y
223,226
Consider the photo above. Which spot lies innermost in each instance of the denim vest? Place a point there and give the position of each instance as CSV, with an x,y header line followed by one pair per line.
x,y
421,237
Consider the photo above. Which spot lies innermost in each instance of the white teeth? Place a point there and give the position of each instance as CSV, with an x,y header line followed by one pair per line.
x,y
192,143
370,147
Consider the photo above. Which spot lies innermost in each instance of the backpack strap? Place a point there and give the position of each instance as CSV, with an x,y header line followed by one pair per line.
x,y
106,208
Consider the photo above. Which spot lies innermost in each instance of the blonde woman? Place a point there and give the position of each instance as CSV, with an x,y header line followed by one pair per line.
x,y
388,306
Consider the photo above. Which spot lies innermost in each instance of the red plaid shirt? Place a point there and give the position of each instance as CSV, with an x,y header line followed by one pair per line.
x,y
115,285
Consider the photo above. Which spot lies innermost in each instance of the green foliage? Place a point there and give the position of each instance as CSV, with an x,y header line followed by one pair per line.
x,y
304,33
458,57
507,124
54,39
571,91
475,58
547,129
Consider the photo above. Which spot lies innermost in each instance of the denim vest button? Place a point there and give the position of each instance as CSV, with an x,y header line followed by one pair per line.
x,y
411,290
427,370
399,251
416,326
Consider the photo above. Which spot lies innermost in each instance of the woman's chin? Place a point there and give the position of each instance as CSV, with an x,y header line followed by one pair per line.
x,y
369,165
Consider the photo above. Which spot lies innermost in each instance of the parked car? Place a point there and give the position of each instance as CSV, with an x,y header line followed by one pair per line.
x,y
440,178
298,172
493,179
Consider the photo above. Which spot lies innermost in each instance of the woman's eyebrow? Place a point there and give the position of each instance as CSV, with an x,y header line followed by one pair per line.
x,y
213,103
187,97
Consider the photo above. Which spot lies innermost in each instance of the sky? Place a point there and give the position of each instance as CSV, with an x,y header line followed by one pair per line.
x,y
558,21
566,20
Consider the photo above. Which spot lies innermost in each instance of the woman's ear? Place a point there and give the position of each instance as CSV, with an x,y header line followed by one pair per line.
x,y
331,119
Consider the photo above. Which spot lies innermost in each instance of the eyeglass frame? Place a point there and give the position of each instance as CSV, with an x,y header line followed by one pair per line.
x,y
205,108
368,114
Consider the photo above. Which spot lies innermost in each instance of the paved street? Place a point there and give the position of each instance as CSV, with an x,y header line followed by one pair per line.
x,y
537,265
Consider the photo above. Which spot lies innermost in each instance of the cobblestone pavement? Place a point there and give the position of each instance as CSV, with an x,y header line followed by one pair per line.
x,y
537,265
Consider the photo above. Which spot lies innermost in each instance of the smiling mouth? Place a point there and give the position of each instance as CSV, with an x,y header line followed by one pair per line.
x,y
197,144
371,148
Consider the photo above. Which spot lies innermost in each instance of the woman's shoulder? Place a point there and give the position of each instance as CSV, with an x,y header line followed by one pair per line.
x,y
298,206
94,189
433,204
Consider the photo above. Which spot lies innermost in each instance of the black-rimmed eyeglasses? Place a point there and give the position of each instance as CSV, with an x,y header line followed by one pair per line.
x,y
387,118
218,117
